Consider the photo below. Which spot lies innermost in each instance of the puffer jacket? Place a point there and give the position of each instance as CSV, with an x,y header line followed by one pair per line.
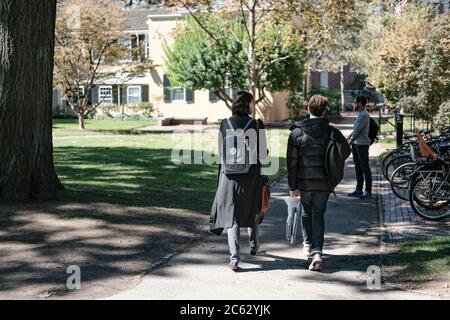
x,y
306,153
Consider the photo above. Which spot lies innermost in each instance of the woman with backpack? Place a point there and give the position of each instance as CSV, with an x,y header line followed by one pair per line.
x,y
238,199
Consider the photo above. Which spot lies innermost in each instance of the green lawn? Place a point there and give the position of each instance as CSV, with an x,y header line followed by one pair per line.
x,y
69,127
137,170
388,125
429,257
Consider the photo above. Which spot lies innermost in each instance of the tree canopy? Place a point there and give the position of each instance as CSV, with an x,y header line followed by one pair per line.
x,y
89,50
409,58
199,61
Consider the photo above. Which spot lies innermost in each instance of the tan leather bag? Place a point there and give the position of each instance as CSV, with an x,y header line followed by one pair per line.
x,y
265,204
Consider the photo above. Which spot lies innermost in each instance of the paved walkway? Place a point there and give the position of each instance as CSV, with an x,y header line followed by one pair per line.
x,y
279,271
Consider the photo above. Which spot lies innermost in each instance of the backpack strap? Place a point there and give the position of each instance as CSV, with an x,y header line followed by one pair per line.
x,y
248,124
332,131
230,124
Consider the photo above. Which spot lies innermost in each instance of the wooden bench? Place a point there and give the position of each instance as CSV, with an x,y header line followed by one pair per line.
x,y
173,121
166,122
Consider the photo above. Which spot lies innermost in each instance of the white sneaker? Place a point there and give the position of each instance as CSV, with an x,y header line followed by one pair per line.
x,y
316,264
306,250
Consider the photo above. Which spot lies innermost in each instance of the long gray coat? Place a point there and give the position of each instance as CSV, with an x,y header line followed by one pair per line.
x,y
238,197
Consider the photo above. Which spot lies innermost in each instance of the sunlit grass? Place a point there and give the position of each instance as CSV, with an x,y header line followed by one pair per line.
x,y
138,169
69,127
426,257
388,125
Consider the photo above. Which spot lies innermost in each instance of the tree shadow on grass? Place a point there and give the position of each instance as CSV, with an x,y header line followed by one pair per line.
x,y
135,176
123,210
418,260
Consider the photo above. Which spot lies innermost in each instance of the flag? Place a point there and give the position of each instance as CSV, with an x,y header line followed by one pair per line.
x,y
400,7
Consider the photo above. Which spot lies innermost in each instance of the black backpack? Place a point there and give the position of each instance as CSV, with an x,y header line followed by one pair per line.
x,y
374,130
338,150
236,158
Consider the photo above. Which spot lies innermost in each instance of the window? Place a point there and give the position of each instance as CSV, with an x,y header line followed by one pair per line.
x,y
229,90
105,95
138,47
134,95
81,91
178,94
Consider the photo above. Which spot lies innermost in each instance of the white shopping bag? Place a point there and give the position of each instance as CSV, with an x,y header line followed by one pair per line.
x,y
293,205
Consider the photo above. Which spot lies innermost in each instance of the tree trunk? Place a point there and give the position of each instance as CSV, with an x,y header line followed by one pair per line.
x,y
81,121
308,82
26,65
342,89
252,54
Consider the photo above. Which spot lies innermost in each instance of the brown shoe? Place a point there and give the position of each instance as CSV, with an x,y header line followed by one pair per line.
x,y
233,266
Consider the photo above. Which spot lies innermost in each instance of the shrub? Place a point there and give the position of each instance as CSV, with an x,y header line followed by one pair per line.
x,y
102,116
297,105
147,108
443,115
63,116
334,98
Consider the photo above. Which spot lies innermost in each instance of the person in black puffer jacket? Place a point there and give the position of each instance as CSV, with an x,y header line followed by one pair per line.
x,y
307,175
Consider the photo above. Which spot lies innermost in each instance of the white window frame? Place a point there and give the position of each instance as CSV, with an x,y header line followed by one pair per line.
x,y
105,100
81,90
172,95
229,85
128,94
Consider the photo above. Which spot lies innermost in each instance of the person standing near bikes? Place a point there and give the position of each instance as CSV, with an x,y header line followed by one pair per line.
x,y
360,141
307,151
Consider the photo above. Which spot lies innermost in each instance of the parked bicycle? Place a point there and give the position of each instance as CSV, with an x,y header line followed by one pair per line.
x,y
424,180
405,154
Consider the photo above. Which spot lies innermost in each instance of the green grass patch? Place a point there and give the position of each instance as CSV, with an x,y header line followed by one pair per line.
x,y
429,257
388,125
69,127
386,143
138,170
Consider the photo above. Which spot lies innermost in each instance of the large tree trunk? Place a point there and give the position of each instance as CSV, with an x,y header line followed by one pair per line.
x,y
26,74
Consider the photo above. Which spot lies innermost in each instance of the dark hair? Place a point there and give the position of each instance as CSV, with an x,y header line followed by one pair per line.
x,y
241,103
361,99
317,105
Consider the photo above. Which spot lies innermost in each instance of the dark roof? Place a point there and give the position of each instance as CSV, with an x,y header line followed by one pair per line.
x,y
137,18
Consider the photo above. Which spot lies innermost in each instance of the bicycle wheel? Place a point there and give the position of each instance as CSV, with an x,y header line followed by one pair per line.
x,y
430,196
400,180
391,155
385,161
395,163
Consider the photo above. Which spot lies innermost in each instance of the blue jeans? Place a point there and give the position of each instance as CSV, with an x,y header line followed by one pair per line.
x,y
313,222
